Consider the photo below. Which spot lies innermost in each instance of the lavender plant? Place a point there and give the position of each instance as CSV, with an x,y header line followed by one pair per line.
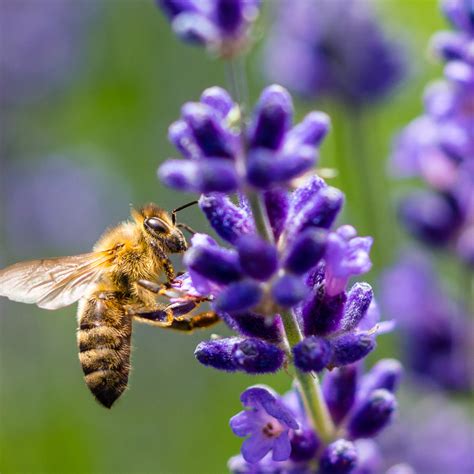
x,y
282,283
282,286
438,146
334,47
339,50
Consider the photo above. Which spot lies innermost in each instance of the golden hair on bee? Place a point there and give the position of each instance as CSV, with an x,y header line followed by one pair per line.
x,y
116,284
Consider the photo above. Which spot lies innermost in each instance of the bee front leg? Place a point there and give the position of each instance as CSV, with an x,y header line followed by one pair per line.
x,y
166,265
157,288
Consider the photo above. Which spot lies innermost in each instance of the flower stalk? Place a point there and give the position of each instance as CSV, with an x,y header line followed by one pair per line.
x,y
308,385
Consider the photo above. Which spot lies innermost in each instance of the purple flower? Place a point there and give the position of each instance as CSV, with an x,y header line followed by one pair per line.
x,y
220,25
346,255
267,423
360,405
436,333
332,47
208,137
439,145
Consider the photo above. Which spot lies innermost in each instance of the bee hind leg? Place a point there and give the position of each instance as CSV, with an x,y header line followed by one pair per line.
x,y
176,316
156,315
196,321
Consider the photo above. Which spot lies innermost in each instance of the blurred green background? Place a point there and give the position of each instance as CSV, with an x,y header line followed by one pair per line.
x,y
128,84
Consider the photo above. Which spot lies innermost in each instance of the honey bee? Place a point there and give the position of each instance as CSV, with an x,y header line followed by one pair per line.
x,y
115,284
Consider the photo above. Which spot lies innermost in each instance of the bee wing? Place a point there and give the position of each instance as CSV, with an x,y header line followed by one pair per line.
x,y
53,283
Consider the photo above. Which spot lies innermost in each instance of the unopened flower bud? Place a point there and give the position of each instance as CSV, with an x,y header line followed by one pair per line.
x,y
340,457
372,415
312,354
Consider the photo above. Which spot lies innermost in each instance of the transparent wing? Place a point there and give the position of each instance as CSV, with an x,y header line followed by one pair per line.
x,y
53,283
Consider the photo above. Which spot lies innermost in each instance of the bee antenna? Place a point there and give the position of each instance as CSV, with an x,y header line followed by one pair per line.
x,y
173,214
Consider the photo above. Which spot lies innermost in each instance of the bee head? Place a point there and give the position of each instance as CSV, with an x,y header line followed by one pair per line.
x,y
159,228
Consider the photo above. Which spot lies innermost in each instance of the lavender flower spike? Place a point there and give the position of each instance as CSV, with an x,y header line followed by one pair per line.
x,y
220,25
333,47
212,145
267,423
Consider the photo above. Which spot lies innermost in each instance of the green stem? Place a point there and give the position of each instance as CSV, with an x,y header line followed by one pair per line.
x,y
309,386
262,223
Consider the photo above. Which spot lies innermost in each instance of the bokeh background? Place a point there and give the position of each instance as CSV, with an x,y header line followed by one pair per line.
x,y
87,92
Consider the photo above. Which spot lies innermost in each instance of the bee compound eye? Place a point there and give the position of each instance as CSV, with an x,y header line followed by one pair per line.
x,y
155,224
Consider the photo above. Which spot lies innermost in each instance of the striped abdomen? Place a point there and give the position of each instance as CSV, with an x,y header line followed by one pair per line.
x,y
104,345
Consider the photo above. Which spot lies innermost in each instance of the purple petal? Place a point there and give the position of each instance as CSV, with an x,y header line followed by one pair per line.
x,y
256,447
281,447
245,423
264,396
253,396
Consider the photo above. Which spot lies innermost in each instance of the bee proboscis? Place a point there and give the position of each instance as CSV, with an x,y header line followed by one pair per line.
x,y
115,284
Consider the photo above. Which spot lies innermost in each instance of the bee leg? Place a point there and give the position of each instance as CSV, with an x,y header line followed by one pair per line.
x,y
168,269
174,316
157,288
198,321
158,316
166,265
